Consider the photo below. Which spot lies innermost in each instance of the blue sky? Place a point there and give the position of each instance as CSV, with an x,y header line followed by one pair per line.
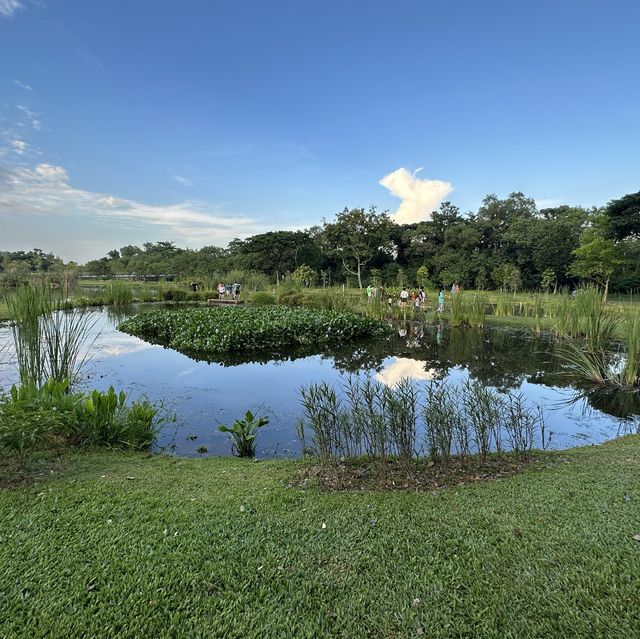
x,y
199,121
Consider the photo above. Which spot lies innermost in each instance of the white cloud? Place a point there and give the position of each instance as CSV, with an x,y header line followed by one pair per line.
x,y
185,181
419,197
30,115
22,85
9,7
19,146
45,190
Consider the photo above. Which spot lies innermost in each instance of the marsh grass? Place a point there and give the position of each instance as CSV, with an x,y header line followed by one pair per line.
x,y
365,418
119,293
49,341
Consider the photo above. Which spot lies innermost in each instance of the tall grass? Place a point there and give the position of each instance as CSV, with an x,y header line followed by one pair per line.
x,y
50,343
119,293
363,417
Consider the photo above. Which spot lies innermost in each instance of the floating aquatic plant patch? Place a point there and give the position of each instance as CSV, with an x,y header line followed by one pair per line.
x,y
221,330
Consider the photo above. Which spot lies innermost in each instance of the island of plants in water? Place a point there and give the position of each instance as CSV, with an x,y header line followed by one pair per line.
x,y
232,329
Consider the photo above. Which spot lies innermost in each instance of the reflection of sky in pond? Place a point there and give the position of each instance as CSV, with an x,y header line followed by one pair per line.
x,y
399,367
203,395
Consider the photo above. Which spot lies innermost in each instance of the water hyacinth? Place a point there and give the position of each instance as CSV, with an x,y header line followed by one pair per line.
x,y
221,330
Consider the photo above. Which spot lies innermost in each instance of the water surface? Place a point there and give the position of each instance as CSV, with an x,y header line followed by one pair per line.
x,y
203,394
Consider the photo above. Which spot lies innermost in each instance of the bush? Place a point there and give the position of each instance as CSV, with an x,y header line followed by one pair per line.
x,y
263,299
174,295
33,417
291,297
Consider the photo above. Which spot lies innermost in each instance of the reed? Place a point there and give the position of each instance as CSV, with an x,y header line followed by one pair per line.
x,y
49,343
406,422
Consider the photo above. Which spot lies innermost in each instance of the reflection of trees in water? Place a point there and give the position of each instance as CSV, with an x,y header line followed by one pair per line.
x,y
495,357
619,402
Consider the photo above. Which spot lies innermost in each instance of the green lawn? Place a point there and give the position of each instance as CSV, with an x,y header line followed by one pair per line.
x,y
128,545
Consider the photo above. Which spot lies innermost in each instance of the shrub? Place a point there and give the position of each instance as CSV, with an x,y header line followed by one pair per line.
x,y
174,295
263,299
32,417
291,298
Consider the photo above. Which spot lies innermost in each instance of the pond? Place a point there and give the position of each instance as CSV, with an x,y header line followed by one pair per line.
x,y
204,394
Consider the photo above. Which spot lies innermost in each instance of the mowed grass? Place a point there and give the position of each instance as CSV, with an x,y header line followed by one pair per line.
x,y
127,545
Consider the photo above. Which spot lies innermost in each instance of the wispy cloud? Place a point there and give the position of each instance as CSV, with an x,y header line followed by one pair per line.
x,y
419,197
45,190
31,116
8,8
22,85
19,146
181,179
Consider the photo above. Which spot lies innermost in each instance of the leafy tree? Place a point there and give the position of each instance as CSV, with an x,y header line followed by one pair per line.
x,y
549,280
357,236
304,275
507,277
624,217
275,252
422,276
597,257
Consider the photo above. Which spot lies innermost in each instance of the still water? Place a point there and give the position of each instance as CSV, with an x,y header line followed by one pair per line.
x,y
203,394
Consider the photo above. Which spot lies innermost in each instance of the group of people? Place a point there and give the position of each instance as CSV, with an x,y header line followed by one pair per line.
x,y
416,298
229,290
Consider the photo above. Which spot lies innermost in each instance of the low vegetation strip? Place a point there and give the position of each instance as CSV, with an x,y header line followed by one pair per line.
x,y
131,545
221,330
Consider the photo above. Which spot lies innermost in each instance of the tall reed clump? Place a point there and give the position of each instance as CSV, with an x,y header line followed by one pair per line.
x,y
50,343
630,373
119,293
592,357
363,417
468,309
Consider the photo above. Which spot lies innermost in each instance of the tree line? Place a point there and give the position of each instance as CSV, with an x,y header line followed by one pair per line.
x,y
508,244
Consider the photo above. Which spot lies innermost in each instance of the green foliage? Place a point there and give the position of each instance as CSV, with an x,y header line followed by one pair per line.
x,y
291,297
548,281
261,298
507,277
119,293
221,330
304,276
244,433
356,237
422,276
366,417
175,295
33,417
624,217
596,258
49,341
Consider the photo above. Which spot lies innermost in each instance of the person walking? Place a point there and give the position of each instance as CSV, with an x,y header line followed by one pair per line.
x,y
441,300
221,291
404,296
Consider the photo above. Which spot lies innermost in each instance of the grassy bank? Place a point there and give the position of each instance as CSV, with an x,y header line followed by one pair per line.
x,y
111,544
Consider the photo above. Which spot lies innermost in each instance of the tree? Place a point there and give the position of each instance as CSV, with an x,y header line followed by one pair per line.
x,y
304,275
422,276
507,277
624,217
549,280
357,236
597,257
275,252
